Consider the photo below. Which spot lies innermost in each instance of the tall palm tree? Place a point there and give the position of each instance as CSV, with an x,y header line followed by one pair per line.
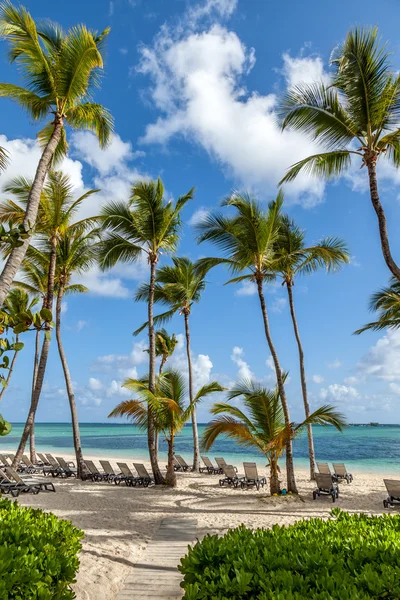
x,y
16,302
178,287
355,115
165,346
386,302
262,425
58,208
147,225
167,404
248,239
76,253
61,70
294,258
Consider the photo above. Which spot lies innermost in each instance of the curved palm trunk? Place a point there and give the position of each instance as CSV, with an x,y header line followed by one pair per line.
x,y
151,438
274,483
311,452
42,362
32,447
376,203
11,369
171,475
16,256
70,390
291,481
196,447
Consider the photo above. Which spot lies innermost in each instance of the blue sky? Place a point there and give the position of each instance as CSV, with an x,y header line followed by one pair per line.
x,y
193,87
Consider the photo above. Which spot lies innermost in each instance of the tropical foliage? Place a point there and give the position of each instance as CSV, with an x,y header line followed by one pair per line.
x,y
386,302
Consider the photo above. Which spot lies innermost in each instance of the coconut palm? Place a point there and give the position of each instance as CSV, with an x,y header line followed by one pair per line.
x,y
387,303
248,239
3,159
16,302
355,115
58,207
146,225
61,70
165,346
261,425
294,258
178,287
167,405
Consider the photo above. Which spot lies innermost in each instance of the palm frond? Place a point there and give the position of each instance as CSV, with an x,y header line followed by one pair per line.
x,y
327,164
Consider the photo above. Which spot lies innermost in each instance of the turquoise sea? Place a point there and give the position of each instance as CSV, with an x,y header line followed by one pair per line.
x,y
360,447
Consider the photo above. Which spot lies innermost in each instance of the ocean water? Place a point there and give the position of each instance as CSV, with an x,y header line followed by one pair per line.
x,y
374,449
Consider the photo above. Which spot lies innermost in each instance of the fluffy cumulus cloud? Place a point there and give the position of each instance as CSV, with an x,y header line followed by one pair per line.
x,y
339,393
382,360
244,371
123,365
199,88
317,379
198,216
246,288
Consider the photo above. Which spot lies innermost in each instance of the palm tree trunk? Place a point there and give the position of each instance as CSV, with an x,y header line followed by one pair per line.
x,y
171,474
156,434
196,447
274,483
291,481
43,359
376,203
16,256
151,440
311,452
70,390
32,448
14,358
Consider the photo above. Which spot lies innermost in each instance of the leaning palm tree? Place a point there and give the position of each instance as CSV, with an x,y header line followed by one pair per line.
x,y
248,239
58,208
146,225
168,407
356,115
76,253
16,302
178,287
61,70
261,425
294,258
386,302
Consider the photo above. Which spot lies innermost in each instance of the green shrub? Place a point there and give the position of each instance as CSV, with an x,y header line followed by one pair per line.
x,y
38,554
348,557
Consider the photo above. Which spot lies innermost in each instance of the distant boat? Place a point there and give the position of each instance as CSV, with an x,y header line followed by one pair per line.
x,y
374,424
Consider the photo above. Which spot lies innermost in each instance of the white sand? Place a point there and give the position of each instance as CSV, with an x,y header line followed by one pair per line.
x,y
118,521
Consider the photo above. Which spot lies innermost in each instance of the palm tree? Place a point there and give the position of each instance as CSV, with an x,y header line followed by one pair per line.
x,y
147,225
165,346
262,424
294,258
17,302
4,159
57,209
167,405
248,239
387,303
61,69
76,253
356,115
178,287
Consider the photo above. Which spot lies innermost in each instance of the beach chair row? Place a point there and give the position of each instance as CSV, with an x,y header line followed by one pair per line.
x,y
231,478
12,483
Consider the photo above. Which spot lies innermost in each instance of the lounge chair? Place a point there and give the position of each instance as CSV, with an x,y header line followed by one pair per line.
x,y
63,469
393,490
109,471
126,476
31,484
231,477
326,485
325,470
177,465
341,472
7,486
182,463
221,462
209,467
251,476
4,460
43,459
96,475
144,477
28,467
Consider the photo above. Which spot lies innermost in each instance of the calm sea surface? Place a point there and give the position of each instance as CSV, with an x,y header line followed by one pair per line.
x,y
360,447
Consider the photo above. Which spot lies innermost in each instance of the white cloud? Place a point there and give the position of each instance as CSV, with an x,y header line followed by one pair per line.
x,y
317,379
95,384
278,305
382,360
270,363
115,389
303,69
64,307
199,91
338,393
102,283
244,371
335,364
395,388
221,8
351,380
247,288
198,216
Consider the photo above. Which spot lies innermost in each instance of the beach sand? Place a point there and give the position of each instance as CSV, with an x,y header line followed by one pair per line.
x,y
119,521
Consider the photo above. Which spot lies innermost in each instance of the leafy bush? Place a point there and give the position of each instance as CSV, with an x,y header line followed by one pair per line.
x,y
38,554
347,556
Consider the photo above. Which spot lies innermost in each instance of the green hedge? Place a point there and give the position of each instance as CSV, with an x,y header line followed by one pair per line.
x,y
38,554
348,557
